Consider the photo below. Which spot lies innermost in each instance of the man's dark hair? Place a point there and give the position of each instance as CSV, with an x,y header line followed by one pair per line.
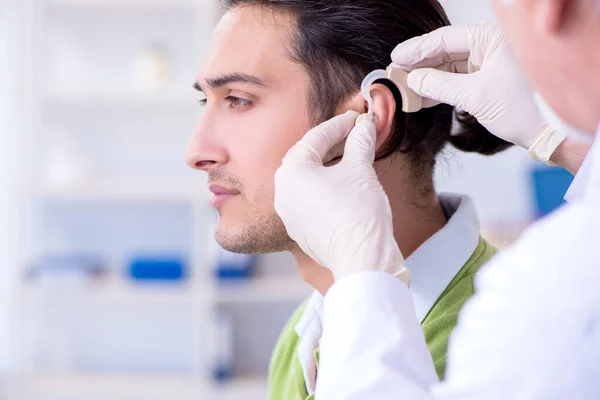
x,y
339,42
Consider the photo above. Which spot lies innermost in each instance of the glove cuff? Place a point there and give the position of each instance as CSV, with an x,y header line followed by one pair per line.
x,y
404,275
546,144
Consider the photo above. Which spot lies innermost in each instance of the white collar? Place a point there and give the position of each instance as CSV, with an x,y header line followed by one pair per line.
x,y
310,329
433,266
437,261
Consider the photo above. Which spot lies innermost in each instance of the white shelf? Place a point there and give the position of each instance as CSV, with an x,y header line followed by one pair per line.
x,y
180,98
263,290
145,5
139,387
116,291
127,189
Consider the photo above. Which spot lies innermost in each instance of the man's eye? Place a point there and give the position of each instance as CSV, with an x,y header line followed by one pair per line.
x,y
236,102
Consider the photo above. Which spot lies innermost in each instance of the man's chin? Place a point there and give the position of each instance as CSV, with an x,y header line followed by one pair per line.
x,y
253,241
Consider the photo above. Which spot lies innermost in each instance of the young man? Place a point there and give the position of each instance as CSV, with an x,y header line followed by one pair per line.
x,y
276,68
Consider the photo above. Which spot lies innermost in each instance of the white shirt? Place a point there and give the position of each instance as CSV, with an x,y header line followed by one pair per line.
x,y
433,266
532,330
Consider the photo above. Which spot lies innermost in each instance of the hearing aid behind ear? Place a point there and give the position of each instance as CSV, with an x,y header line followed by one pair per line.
x,y
366,117
411,101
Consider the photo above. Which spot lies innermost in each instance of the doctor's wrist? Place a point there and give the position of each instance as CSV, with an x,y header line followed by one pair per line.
x,y
570,155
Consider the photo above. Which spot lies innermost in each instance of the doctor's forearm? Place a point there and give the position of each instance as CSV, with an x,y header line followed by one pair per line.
x,y
372,345
570,155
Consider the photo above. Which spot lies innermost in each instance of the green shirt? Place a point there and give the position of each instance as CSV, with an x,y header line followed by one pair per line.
x,y
286,378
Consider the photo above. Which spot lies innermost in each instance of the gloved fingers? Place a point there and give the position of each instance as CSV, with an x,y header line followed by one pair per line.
x,y
444,45
440,86
460,67
315,145
457,67
485,38
360,145
335,152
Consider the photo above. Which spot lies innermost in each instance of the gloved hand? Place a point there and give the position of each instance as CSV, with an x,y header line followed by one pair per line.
x,y
340,215
472,67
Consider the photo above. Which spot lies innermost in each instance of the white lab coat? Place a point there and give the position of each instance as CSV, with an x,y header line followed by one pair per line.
x,y
532,331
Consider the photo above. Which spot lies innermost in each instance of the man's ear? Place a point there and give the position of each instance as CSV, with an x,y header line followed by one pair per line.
x,y
551,15
384,109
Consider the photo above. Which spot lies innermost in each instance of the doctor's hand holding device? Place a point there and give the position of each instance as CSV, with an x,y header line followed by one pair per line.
x,y
532,331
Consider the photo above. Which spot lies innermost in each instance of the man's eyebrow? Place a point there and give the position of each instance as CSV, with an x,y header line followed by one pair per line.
x,y
222,80
197,87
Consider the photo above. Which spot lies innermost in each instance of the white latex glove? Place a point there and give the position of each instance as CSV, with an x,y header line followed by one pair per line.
x,y
472,67
340,215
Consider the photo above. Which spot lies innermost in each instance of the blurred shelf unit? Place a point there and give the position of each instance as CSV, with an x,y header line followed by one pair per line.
x,y
149,387
112,111
119,291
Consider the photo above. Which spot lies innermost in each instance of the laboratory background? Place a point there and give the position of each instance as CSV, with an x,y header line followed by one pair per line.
x,y
111,284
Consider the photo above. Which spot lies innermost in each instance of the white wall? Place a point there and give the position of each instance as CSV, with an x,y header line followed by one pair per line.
x,y
6,249
499,184
461,11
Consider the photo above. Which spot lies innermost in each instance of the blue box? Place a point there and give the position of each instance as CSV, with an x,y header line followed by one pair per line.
x,y
550,186
158,269
233,266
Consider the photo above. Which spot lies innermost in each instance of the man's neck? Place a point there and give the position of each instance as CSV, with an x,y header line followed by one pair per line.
x,y
416,218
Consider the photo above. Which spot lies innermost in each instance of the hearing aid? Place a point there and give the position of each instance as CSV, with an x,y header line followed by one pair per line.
x,y
411,101
369,116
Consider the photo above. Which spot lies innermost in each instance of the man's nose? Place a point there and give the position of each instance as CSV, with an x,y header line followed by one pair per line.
x,y
204,153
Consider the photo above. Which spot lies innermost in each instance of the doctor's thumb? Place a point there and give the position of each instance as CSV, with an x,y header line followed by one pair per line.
x,y
441,87
360,145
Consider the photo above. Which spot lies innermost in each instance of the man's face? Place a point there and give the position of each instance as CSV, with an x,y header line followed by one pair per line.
x,y
256,109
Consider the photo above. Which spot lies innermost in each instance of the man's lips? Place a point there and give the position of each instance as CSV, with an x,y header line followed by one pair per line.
x,y
215,188
221,194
